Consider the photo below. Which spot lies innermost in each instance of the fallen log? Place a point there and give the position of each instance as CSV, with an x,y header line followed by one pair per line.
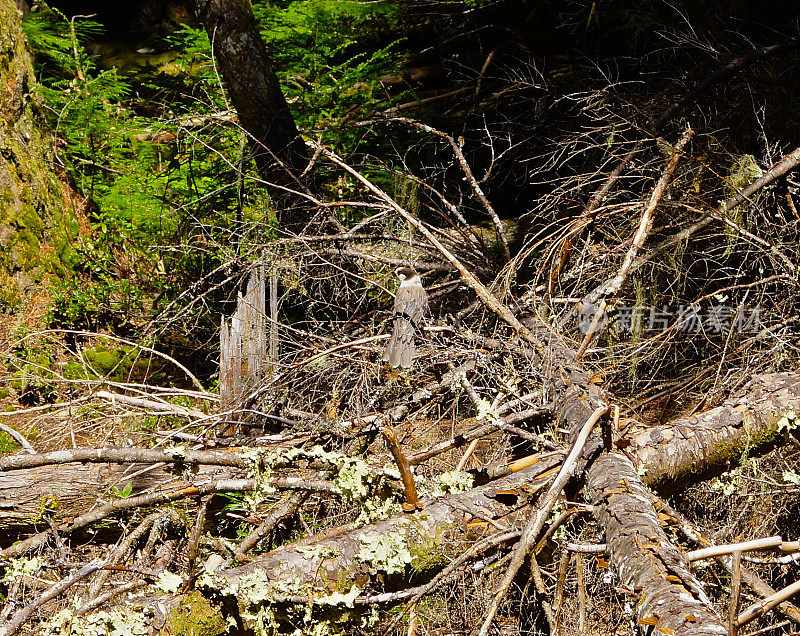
x,y
646,562
382,550
638,546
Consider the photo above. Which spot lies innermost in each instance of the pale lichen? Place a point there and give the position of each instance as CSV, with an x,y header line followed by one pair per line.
x,y
17,568
487,411
388,552
168,582
116,622
455,481
337,598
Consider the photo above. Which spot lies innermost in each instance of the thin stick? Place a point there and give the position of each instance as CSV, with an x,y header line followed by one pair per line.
x,y
13,625
765,605
736,585
19,437
153,405
393,444
122,551
193,543
534,526
541,590
581,594
563,565
467,454
784,165
613,286
474,550
283,510
732,548
476,188
92,334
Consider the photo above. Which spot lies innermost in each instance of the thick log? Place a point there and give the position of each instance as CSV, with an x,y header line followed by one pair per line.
x,y
671,456
644,559
352,560
691,449
340,569
670,597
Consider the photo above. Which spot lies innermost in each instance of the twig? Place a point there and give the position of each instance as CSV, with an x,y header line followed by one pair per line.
x,y
122,551
104,598
749,578
612,287
283,510
91,334
770,628
124,456
581,594
541,590
563,564
476,188
586,548
393,444
534,526
153,405
732,548
786,163
193,542
478,431
467,454
16,621
736,583
765,605
474,550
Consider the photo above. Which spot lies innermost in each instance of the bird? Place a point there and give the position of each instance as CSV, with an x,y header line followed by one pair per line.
x,y
410,303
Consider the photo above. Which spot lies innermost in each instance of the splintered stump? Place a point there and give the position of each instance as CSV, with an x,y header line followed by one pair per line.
x,y
244,349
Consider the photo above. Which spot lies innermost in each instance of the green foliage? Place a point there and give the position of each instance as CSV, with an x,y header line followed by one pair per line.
x,y
122,493
149,178
159,169
327,60
7,443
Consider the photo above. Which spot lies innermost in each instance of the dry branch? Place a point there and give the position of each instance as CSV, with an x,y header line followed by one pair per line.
x,y
444,525
537,520
486,296
19,618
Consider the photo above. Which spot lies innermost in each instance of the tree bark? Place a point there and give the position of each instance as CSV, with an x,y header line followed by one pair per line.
x,y
670,597
276,145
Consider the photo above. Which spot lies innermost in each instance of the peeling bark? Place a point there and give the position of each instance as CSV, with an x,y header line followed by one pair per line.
x,y
671,597
694,448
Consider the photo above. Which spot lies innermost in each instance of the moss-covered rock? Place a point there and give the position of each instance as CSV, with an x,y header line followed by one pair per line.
x,y
38,225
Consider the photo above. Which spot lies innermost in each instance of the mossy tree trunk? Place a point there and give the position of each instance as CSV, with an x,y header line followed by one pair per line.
x,y
38,226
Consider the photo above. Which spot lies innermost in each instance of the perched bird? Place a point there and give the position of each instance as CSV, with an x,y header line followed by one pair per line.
x,y
410,303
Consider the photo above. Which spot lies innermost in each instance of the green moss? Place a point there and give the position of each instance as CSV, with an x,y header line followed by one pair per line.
x,y
32,213
47,505
195,616
115,362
